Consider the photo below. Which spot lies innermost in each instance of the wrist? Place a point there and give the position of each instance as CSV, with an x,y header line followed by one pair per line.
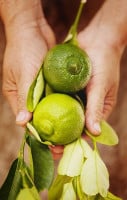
x,y
102,35
111,35
109,24
20,15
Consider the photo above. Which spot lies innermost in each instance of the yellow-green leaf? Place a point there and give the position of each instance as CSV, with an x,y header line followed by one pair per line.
x,y
33,131
108,135
87,150
56,188
36,134
111,196
48,90
72,160
35,91
94,176
28,194
78,190
68,192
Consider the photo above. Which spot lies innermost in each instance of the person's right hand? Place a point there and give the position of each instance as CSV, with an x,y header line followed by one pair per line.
x,y
27,44
102,88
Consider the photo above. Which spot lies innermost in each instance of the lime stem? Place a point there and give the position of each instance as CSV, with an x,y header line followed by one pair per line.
x,y
75,24
95,146
21,151
71,36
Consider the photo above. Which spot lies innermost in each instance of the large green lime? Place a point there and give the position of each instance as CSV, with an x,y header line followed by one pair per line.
x,y
59,119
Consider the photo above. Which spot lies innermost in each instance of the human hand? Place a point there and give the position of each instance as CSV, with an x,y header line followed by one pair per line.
x,y
104,39
102,88
27,43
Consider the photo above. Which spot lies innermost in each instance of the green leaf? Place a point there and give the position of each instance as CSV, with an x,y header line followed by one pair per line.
x,y
29,189
28,194
43,164
30,161
68,192
56,188
78,190
35,91
27,181
108,136
87,150
12,184
32,130
111,196
72,160
48,90
94,176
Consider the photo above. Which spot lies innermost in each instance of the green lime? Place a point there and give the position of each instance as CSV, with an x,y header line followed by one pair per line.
x,y
59,118
67,68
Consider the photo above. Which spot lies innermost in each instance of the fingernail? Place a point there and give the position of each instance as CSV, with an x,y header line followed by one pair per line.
x,y
97,128
21,116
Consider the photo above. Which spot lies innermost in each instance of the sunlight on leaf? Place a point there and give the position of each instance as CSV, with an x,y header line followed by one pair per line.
x,y
35,91
33,131
38,89
94,176
87,150
72,160
35,134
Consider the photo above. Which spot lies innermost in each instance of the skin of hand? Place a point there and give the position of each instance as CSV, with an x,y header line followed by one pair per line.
x,y
28,39
104,41
102,88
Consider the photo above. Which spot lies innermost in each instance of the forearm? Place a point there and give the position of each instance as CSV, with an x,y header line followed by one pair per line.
x,y
20,12
109,24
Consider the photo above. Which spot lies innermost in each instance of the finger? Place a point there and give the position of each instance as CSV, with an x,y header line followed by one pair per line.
x,y
23,116
10,91
94,108
56,156
110,101
57,151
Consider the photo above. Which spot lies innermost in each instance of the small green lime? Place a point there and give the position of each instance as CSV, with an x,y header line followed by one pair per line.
x,y
67,68
59,118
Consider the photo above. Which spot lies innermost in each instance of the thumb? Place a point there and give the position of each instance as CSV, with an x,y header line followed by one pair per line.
x,y
23,115
17,101
94,108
